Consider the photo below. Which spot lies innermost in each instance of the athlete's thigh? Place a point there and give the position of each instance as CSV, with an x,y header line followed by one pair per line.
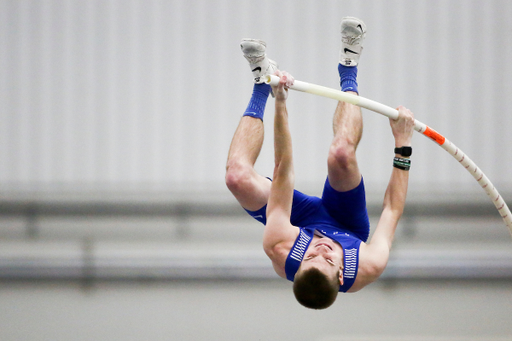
x,y
304,208
254,193
348,208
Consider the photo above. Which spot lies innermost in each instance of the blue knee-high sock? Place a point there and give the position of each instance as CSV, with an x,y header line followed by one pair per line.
x,y
348,78
256,107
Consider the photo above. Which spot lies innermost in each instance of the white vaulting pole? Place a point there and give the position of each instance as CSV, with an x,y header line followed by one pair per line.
x,y
420,127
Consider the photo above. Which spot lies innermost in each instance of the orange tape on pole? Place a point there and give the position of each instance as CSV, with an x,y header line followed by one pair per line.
x,y
434,135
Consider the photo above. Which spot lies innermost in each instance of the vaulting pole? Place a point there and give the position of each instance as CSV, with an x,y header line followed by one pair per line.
x,y
420,127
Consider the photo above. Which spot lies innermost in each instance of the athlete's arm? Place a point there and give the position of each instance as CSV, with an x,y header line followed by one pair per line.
x,y
279,232
394,200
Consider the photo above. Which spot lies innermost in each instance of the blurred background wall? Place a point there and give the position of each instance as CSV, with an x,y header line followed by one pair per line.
x,y
115,121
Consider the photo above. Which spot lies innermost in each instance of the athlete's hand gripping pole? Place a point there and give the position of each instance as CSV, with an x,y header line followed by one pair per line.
x,y
420,127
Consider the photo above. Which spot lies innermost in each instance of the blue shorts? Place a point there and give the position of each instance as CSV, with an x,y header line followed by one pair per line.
x,y
343,210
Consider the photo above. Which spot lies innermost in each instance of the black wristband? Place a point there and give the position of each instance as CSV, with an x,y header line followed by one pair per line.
x,y
403,164
404,151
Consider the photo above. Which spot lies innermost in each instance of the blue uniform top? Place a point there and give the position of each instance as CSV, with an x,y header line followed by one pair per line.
x,y
341,216
348,242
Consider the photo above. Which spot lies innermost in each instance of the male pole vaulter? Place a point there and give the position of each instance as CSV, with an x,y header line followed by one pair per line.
x,y
318,243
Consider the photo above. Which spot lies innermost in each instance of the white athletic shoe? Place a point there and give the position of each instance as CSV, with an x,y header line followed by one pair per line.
x,y
353,31
254,52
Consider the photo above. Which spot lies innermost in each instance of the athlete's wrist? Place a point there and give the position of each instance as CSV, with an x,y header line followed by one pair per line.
x,y
280,101
402,142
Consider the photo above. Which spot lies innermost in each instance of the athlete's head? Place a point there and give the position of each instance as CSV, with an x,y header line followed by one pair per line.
x,y
317,281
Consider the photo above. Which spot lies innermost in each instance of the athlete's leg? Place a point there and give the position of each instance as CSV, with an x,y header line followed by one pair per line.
x,y
343,171
249,188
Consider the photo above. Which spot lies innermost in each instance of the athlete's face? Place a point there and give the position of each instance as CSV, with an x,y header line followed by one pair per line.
x,y
325,255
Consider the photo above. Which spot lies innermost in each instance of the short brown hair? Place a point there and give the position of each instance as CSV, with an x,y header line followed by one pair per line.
x,y
313,289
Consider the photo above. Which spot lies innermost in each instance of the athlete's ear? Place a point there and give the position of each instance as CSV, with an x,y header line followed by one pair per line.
x,y
341,275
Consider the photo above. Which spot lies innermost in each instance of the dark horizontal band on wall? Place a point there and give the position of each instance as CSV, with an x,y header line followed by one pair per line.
x,y
126,262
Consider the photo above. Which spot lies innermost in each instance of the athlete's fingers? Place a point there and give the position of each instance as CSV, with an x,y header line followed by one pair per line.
x,y
289,79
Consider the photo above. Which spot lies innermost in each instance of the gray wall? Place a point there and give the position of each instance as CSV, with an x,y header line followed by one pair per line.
x,y
254,311
110,94
112,103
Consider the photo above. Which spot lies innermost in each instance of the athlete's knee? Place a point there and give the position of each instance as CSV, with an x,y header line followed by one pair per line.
x,y
342,154
238,176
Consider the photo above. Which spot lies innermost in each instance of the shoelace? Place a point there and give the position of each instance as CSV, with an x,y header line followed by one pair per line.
x,y
254,59
350,40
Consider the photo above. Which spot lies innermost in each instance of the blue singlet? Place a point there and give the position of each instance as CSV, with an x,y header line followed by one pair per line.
x,y
341,216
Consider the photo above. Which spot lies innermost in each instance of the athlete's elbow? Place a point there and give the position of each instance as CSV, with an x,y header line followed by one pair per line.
x,y
284,170
269,251
269,247
376,272
395,210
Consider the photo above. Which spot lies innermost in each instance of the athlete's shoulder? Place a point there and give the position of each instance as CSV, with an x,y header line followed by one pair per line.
x,y
278,255
278,231
369,269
